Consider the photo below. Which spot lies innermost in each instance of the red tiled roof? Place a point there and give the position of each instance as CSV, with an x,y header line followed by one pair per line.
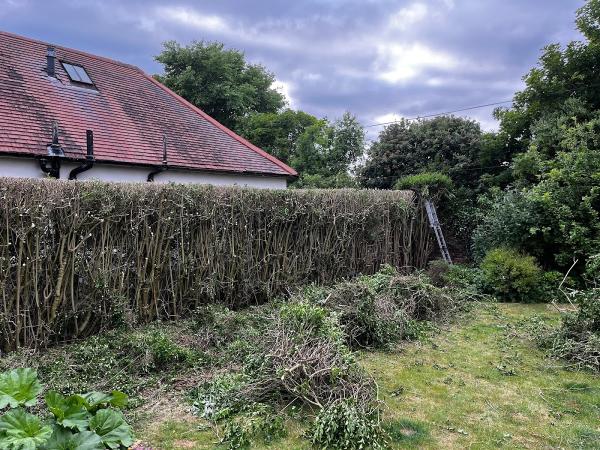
x,y
128,113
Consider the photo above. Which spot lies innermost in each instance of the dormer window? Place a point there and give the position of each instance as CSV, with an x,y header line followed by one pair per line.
x,y
77,73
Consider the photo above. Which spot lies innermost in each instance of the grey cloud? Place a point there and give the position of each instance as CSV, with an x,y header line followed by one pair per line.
x,y
330,53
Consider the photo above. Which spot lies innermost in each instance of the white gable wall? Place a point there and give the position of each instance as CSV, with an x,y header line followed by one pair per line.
x,y
30,168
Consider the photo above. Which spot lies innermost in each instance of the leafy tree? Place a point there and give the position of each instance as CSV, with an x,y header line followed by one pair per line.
x,y
219,81
554,132
448,145
277,132
322,152
561,74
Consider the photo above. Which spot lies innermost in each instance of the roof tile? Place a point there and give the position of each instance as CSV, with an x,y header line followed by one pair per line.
x,y
128,112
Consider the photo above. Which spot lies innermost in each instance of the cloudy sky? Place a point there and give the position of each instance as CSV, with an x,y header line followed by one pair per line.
x,y
379,59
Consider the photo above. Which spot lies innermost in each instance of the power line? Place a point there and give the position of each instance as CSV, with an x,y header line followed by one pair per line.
x,y
426,116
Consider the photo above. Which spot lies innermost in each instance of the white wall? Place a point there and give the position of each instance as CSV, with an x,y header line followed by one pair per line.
x,y
30,168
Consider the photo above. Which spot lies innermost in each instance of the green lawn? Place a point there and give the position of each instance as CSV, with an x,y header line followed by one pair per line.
x,y
479,384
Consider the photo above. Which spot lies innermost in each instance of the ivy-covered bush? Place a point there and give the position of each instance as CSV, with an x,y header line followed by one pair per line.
x,y
89,421
511,276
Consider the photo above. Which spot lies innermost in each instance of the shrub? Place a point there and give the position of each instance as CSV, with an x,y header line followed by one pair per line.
x,y
346,426
426,183
511,276
509,219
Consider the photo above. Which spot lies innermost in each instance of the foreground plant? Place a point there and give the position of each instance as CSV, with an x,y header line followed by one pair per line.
x,y
82,422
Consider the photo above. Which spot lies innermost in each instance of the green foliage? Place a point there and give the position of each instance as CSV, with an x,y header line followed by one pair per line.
x,y
344,426
80,422
508,219
20,430
65,440
219,81
318,181
449,145
258,423
69,411
19,387
577,339
426,183
219,398
278,132
553,129
322,152
110,425
511,276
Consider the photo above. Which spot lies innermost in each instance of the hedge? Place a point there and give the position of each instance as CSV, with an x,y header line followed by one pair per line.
x,y
77,257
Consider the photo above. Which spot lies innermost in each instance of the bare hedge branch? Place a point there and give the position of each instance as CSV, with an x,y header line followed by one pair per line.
x,y
76,258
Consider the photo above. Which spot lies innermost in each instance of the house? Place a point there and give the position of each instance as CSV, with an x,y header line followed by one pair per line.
x,y
71,115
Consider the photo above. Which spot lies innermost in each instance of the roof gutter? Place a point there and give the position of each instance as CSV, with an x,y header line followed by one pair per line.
x,y
164,166
89,158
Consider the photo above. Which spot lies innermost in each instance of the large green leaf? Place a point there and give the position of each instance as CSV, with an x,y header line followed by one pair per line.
x,y
65,440
69,412
94,401
19,387
112,428
22,431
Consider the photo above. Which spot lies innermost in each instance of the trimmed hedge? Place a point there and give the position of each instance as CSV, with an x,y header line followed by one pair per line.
x,y
79,257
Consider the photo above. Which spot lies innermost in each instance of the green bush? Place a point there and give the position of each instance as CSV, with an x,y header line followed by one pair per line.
x,y
344,426
425,183
511,276
509,219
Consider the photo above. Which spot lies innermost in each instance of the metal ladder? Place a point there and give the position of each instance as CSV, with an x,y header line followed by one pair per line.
x,y
437,229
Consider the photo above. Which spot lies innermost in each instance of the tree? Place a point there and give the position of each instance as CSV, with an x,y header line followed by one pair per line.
x,y
448,145
219,81
561,74
553,131
323,153
277,133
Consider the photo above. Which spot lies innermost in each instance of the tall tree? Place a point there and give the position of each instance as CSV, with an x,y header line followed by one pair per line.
x,y
449,145
562,73
277,133
219,81
553,130
323,153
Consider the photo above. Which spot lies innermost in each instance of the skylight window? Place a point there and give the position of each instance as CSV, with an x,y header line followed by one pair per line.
x,y
77,73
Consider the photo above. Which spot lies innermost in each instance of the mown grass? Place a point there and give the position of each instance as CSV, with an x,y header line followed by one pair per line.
x,y
479,384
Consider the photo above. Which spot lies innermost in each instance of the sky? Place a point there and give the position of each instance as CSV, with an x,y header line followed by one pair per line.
x,y
378,59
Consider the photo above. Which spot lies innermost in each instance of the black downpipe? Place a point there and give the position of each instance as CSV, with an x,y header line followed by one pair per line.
x,y
164,166
89,159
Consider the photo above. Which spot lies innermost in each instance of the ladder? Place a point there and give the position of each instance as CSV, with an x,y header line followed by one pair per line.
x,y
437,229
